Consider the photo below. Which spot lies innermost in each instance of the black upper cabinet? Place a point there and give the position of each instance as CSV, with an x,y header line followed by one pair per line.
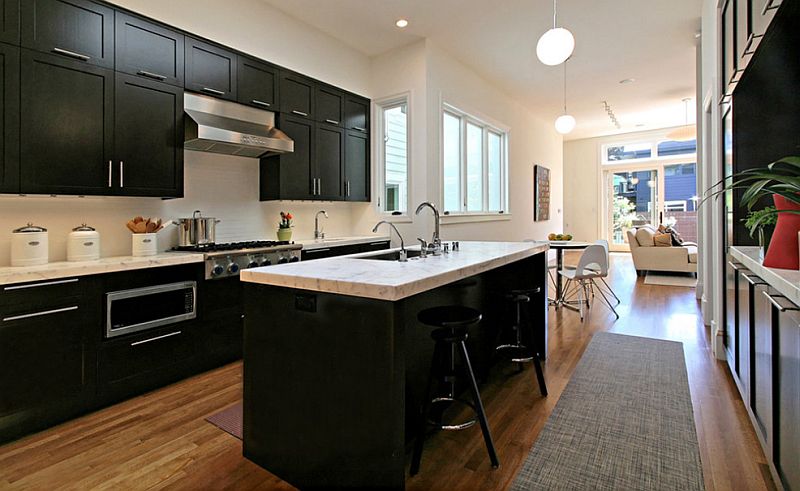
x,y
329,151
77,29
258,84
330,105
210,69
9,22
9,120
744,32
148,129
148,50
291,175
66,126
297,95
357,113
728,52
356,166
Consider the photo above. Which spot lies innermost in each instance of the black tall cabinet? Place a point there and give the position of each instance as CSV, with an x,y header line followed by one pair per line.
x,y
9,119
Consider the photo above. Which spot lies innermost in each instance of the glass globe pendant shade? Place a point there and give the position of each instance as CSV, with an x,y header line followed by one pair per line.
x,y
555,46
565,124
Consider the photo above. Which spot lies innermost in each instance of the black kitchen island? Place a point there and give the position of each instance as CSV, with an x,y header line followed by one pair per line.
x,y
335,361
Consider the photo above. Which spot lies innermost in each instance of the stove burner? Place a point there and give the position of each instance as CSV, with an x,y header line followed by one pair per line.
x,y
231,246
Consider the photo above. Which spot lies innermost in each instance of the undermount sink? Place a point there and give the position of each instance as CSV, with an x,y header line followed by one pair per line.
x,y
392,255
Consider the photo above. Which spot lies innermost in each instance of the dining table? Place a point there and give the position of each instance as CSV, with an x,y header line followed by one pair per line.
x,y
560,246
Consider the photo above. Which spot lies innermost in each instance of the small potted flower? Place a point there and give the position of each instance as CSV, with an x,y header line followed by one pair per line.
x,y
285,227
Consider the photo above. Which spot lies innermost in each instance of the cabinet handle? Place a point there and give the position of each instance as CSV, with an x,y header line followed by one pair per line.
x,y
735,266
260,103
347,187
147,74
72,54
156,338
378,243
753,279
315,251
331,121
360,128
37,285
299,113
110,164
121,174
212,91
769,6
39,314
778,305
314,187
319,186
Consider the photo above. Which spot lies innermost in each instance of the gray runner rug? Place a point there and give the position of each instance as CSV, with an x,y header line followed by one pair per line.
x,y
624,421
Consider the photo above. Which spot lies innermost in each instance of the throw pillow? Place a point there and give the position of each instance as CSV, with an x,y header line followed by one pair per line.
x,y
663,240
677,240
644,236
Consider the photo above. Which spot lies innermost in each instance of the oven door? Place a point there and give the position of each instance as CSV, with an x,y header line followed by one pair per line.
x,y
130,311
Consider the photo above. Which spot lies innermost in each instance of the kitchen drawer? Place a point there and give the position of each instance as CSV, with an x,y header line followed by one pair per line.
x,y
150,357
374,246
27,296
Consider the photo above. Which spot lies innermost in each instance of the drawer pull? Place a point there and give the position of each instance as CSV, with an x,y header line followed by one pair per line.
x,y
147,74
37,285
359,128
156,338
378,243
260,103
72,54
213,91
300,113
753,279
314,251
39,314
331,121
735,266
778,305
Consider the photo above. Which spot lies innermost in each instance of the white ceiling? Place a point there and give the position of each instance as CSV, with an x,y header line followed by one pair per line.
x,y
651,41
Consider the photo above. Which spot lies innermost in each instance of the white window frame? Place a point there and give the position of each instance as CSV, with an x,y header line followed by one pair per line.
x,y
380,155
653,143
487,126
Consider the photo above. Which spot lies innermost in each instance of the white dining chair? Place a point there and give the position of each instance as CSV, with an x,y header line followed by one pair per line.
x,y
593,264
604,243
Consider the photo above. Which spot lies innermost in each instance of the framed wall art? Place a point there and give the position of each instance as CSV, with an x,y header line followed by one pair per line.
x,y
541,193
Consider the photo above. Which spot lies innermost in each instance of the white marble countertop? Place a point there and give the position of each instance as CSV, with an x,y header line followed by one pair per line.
x,y
392,280
52,271
311,244
785,281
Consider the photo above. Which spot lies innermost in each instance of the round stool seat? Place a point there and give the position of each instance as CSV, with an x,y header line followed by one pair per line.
x,y
449,334
518,297
449,316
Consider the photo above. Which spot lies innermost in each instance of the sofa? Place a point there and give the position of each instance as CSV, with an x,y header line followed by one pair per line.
x,y
647,256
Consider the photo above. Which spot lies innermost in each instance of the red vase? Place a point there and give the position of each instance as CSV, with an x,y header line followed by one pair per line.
x,y
783,250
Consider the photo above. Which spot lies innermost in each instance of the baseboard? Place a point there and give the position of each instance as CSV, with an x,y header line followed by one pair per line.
x,y
717,341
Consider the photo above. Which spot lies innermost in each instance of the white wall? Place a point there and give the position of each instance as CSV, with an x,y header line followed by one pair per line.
x,y
221,186
582,163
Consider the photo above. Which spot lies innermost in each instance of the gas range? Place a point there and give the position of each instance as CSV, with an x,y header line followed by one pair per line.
x,y
227,259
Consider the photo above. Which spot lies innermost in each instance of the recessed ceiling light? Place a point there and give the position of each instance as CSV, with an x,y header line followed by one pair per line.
x,y
401,23
627,81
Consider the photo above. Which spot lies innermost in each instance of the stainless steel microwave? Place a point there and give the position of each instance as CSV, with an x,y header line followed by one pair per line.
x,y
139,309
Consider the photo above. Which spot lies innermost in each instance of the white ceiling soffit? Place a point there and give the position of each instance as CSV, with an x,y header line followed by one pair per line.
x,y
651,41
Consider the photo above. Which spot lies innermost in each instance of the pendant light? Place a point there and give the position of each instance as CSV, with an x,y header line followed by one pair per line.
x,y
685,133
555,45
565,123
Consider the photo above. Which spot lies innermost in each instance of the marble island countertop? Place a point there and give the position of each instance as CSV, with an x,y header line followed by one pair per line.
x,y
785,281
311,244
10,275
392,280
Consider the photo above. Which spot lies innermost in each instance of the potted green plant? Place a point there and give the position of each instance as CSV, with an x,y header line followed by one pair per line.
x,y
761,224
781,181
285,227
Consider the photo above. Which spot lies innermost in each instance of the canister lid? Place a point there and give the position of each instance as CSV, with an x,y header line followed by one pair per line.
x,y
30,228
83,228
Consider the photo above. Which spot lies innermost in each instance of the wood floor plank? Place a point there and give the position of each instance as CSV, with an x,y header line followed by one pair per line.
x,y
161,440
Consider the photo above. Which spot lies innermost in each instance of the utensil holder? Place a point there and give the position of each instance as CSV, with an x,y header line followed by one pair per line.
x,y
144,245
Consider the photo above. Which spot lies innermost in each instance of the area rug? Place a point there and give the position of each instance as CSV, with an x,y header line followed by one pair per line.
x,y
624,421
670,280
229,420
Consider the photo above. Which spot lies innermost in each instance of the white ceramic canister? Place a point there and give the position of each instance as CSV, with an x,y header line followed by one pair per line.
x,y
83,244
29,246
145,245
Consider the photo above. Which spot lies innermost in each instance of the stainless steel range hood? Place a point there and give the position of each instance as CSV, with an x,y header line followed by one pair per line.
x,y
214,125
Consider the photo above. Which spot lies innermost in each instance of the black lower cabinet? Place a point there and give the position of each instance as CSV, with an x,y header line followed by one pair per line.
x,y
323,252
732,313
67,126
9,119
47,354
744,341
787,404
761,390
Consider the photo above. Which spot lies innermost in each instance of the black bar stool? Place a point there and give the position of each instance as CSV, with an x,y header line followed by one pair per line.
x,y
520,353
452,322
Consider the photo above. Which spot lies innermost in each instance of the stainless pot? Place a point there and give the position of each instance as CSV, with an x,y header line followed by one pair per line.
x,y
197,230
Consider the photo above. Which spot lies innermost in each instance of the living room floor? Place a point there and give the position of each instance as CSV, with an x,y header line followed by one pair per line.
x,y
161,440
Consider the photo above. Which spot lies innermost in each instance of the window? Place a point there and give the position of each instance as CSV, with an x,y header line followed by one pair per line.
x,y
474,166
671,148
616,153
628,152
393,123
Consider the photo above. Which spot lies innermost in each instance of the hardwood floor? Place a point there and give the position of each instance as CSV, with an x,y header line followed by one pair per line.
x,y
161,440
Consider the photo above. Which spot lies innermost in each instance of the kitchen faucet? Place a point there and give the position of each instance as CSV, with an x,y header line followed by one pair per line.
x,y
317,233
435,245
403,253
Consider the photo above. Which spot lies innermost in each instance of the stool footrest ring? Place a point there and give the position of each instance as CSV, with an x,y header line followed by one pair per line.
x,y
455,426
